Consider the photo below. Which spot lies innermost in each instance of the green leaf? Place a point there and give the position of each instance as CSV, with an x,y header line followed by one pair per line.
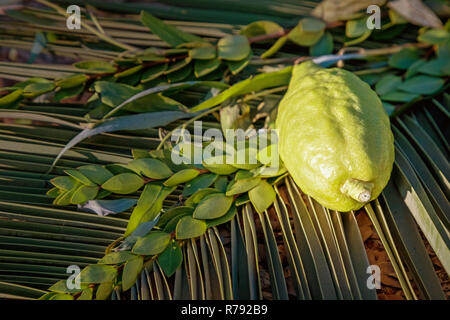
x,y
96,66
128,72
98,273
221,184
434,36
237,66
241,186
322,47
387,83
113,94
307,32
84,194
167,33
177,66
198,196
356,28
131,271
189,227
68,93
359,39
147,201
396,18
422,85
104,290
436,67
77,175
404,58
414,68
153,73
199,182
259,28
64,182
152,244
181,177
223,219
152,168
63,199
53,192
116,257
399,96
124,183
180,75
86,294
203,53
61,296
233,48
149,206
217,165
38,88
11,97
171,258
213,206
262,196
72,81
96,173
174,212
204,67
257,83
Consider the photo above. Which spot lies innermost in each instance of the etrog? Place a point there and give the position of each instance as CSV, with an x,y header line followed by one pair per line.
x,y
335,137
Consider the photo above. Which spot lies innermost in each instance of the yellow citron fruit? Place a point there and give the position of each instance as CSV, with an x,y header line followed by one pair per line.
x,y
334,137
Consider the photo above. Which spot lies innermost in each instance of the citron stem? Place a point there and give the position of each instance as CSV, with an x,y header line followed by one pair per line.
x,y
359,190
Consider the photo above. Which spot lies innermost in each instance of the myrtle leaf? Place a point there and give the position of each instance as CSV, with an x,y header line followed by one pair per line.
x,y
213,206
84,194
387,83
97,273
77,175
124,183
181,177
96,173
131,271
198,183
151,168
153,243
189,227
422,85
171,258
233,48
167,33
116,257
307,32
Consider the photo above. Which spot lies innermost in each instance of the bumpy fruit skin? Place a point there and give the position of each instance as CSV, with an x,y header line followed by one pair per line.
x,y
333,129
